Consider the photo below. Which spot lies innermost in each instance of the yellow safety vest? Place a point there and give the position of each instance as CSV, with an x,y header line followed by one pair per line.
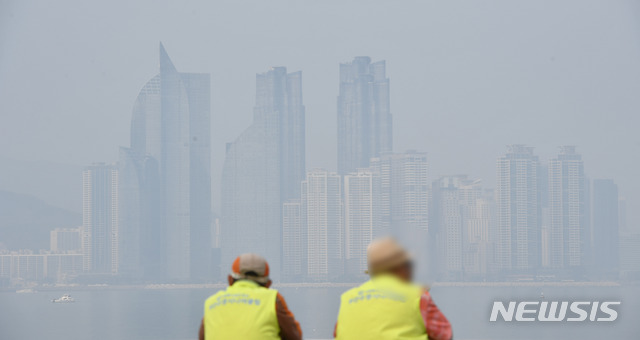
x,y
381,308
245,310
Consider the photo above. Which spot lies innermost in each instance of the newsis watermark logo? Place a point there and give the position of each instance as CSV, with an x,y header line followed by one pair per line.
x,y
550,311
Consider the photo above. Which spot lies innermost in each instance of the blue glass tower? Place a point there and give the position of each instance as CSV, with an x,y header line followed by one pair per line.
x,y
166,217
264,168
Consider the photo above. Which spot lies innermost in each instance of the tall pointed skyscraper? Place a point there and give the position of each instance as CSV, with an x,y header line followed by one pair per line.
x,y
264,168
165,219
364,116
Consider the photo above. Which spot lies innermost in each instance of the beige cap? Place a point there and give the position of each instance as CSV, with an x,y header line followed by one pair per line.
x,y
384,254
250,267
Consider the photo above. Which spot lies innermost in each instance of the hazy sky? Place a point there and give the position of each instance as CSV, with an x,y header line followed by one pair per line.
x,y
467,78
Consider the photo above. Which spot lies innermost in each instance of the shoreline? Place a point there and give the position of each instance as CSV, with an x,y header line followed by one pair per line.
x,y
319,285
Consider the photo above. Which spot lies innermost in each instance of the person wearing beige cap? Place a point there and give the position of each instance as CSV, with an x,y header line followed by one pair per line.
x,y
389,306
248,309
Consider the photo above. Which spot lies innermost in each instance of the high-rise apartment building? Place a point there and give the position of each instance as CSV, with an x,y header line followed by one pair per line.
x,y
479,232
518,235
27,266
477,206
622,216
362,218
476,209
165,210
323,214
294,242
568,232
100,219
462,223
629,259
404,192
404,199
448,225
606,231
64,240
364,116
263,169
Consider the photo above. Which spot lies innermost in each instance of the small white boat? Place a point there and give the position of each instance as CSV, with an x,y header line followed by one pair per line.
x,y
66,298
25,291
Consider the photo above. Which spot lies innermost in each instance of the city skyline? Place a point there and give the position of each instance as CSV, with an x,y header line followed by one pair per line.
x,y
471,105
153,219
147,145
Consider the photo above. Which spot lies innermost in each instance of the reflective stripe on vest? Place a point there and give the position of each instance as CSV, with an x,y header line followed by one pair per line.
x,y
245,310
382,308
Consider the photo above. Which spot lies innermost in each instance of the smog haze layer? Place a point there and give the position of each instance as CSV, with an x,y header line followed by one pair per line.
x,y
465,79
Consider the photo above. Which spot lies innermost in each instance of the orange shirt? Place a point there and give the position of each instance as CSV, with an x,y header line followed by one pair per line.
x,y
289,327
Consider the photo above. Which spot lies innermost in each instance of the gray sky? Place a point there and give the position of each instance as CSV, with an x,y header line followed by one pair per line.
x,y
466,77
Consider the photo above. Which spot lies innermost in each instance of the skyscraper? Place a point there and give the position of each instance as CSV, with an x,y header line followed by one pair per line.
x,y
448,226
518,230
628,262
294,242
364,116
404,199
622,216
404,192
480,225
166,213
322,209
606,231
568,237
100,219
64,240
362,218
263,168
461,223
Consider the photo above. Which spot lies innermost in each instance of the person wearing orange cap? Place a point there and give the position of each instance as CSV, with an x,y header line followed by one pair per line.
x,y
389,306
248,309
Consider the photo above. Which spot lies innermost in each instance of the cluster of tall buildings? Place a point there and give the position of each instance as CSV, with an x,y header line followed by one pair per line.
x,y
316,225
536,224
149,217
542,221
